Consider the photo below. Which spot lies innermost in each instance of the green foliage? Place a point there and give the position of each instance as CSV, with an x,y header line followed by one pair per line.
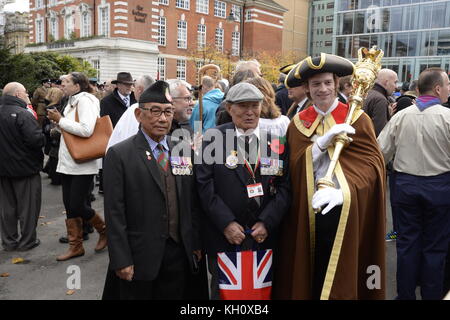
x,y
30,68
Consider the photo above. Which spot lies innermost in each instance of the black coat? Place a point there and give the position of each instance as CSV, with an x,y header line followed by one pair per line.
x,y
114,107
282,99
223,196
135,208
21,139
376,105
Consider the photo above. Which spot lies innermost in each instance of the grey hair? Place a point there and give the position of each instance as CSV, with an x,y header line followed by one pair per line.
x,y
145,81
245,65
174,84
413,85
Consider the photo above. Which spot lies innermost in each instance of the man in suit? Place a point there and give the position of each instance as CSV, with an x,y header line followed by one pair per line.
x,y
151,226
244,192
115,104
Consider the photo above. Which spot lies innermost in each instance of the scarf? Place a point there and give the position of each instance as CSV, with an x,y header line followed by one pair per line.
x,y
426,101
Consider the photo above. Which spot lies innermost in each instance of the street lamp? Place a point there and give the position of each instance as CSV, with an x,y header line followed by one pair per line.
x,y
232,18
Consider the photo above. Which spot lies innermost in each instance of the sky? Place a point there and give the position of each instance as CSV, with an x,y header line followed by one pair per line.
x,y
20,5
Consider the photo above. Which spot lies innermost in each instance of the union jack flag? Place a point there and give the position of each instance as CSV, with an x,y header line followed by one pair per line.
x,y
245,275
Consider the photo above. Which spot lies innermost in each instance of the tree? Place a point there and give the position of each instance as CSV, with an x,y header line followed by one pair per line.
x,y
30,68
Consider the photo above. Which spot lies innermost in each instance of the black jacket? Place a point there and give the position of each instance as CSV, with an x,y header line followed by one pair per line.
x,y
135,208
282,99
21,139
224,198
376,105
114,107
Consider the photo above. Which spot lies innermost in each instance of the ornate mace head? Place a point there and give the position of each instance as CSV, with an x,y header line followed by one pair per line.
x,y
366,70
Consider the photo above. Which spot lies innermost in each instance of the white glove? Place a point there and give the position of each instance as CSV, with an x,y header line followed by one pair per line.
x,y
324,141
332,196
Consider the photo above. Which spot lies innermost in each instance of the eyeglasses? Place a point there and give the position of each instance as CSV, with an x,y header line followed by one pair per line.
x,y
186,99
156,112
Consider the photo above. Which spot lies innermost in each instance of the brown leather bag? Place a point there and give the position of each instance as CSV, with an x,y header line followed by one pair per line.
x,y
91,148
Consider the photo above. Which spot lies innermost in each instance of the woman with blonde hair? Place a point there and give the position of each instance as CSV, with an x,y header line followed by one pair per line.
x,y
271,119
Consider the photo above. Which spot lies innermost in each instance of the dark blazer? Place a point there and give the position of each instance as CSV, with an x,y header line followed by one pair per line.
x,y
135,208
282,99
114,107
223,197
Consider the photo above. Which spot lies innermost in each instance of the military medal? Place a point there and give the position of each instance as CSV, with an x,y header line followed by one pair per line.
x,y
232,160
148,155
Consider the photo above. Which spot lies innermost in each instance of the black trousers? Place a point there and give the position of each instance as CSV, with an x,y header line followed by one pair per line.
x,y
76,196
326,227
20,201
170,284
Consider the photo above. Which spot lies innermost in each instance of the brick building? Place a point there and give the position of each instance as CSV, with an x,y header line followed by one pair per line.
x,y
155,37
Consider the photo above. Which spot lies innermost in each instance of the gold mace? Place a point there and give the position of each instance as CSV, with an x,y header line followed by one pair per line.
x,y
366,70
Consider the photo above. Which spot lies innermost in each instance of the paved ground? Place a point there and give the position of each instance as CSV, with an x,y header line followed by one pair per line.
x,y
42,277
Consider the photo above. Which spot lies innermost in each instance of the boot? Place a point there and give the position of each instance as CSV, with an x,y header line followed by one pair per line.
x,y
99,225
75,235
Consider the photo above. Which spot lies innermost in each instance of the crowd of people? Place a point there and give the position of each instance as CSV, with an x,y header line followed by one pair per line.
x,y
187,180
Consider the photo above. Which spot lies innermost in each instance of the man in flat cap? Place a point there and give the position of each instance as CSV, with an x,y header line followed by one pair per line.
x,y
152,227
243,187
332,240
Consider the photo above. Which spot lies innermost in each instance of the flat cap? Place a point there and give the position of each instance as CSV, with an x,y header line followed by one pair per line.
x,y
310,66
243,92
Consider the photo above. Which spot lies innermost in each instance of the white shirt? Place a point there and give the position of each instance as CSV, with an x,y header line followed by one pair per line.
x,y
123,97
277,126
126,127
420,140
321,160
300,104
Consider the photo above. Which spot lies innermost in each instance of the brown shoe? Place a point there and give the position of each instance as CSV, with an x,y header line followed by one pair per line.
x,y
75,235
99,225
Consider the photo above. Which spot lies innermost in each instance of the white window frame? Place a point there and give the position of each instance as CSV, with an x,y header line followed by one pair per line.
x,y
202,6
164,2
162,28
161,65
182,4
235,43
220,9
182,34
104,27
40,30
220,35
201,36
53,26
181,69
236,12
39,4
85,25
69,25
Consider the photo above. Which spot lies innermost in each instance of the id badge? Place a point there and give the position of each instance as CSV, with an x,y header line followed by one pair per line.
x,y
255,190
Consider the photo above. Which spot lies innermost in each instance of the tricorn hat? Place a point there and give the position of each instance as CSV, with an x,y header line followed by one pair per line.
x,y
123,77
157,92
46,80
311,66
285,69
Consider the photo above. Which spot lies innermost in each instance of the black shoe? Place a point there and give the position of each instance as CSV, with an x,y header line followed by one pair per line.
x,y
66,240
8,249
92,197
34,245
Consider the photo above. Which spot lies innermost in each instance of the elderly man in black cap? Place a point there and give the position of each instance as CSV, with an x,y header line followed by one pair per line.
x,y
152,227
332,254
244,191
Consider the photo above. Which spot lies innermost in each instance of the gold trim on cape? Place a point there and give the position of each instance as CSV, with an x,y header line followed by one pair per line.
x,y
304,130
310,193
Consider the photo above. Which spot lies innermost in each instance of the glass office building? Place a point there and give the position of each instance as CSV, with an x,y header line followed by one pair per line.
x,y
414,34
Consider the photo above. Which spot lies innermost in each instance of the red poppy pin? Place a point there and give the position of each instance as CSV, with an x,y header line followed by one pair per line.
x,y
307,123
278,145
